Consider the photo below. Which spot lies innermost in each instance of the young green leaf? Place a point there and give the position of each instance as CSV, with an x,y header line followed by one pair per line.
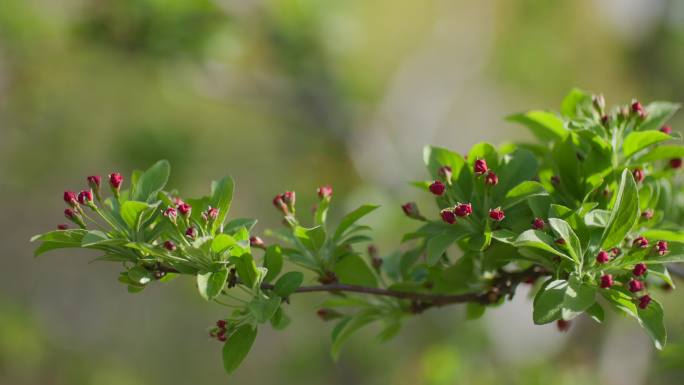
x,y
354,271
624,214
639,140
651,319
237,347
210,284
565,232
546,126
436,246
152,181
246,268
263,309
273,261
579,296
657,113
522,192
288,283
221,197
548,302
539,240
351,218
131,212
347,327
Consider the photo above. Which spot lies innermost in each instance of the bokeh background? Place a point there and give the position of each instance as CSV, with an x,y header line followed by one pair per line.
x,y
290,94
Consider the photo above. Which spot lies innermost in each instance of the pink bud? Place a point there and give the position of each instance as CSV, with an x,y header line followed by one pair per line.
x,y
115,180
606,281
70,198
563,325
74,217
637,107
85,197
212,213
602,257
280,204
661,247
325,192
94,181
638,175
640,242
644,301
676,163
411,210
221,324
62,226
497,214
480,167
185,209
171,213
257,242
170,246
615,251
538,224
639,269
445,172
560,241
491,178
222,337
463,209
448,216
191,232
647,214
666,129
289,198
635,285
437,188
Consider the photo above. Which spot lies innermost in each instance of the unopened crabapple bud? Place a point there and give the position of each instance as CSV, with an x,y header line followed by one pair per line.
x,y
638,175
437,188
480,167
94,182
676,163
640,242
602,257
85,197
635,285
62,226
325,192
606,281
170,246
661,248
70,198
666,129
644,301
327,314
289,198
411,210
171,213
497,214
491,178
280,204
647,214
257,242
446,173
563,325
463,209
74,217
639,269
191,232
115,181
185,209
448,216
538,223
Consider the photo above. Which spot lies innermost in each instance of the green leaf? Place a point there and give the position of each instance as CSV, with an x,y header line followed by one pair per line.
x,y
51,245
280,320
563,230
548,302
351,218
237,347
578,297
639,140
236,224
313,238
354,271
263,309
522,192
539,240
596,312
546,126
436,246
152,181
221,197
664,235
475,311
221,243
64,236
573,102
657,115
624,214
210,284
660,153
288,283
273,261
346,328
246,268
437,157
597,218
131,212
651,319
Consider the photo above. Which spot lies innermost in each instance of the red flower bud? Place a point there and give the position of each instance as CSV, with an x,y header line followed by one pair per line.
x,y
325,192
555,180
70,198
445,172
437,188
666,129
638,175
491,178
280,204
185,209
170,246
191,232
497,214
560,241
222,337
602,257
635,285
171,213
676,163
463,209
62,226
211,214
538,224
640,242
480,167
74,217
411,210
615,251
647,214
637,107
644,301
115,181
289,198
605,119
221,324
94,181
661,247
606,281
257,242
327,314
639,269
448,216
85,197
563,325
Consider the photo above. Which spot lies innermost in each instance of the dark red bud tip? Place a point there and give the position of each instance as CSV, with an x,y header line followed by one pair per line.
x,y
640,242
289,198
279,204
647,214
327,314
491,179
480,167
661,248
437,188
463,209
638,175
448,216
560,241
185,209
644,301
497,214
445,172
211,214
171,213
615,251
191,233
221,324
606,281
555,180
666,129
74,217
676,163
94,181
563,325
639,269
62,226
538,224
410,209
257,242
170,246
602,257
85,197
115,180
605,119
325,192
222,337
70,198
635,285
637,107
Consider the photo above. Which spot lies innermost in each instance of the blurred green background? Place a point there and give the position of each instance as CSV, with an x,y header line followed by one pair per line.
x,y
290,94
